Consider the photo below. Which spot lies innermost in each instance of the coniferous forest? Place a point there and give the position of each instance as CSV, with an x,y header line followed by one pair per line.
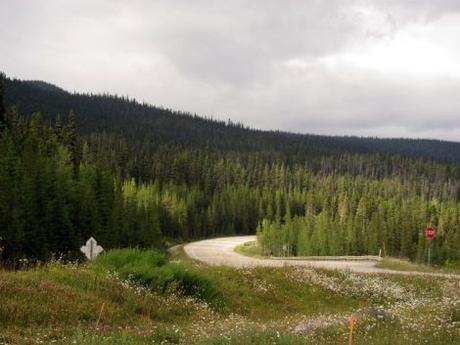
x,y
130,174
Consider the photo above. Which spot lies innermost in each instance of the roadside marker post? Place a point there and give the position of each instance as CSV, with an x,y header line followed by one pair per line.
x,y
353,320
100,315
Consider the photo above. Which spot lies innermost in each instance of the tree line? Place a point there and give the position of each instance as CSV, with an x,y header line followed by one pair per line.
x,y
349,216
60,184
143,127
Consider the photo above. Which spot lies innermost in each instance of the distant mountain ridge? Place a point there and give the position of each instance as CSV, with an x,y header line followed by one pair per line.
x,y
44,86
164,126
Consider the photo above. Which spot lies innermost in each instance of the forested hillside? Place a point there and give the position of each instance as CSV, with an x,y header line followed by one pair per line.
x,y
144,127
134,175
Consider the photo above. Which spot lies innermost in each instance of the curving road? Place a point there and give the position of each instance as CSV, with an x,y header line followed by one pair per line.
x,y
220,251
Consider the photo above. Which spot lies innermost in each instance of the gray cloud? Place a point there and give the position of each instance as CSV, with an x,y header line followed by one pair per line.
x,y
362,67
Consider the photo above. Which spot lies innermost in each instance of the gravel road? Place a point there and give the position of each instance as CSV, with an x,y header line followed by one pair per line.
x,y
220,251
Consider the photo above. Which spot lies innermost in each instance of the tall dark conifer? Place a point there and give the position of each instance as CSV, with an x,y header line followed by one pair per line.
x,y
71,140
2,102
147,172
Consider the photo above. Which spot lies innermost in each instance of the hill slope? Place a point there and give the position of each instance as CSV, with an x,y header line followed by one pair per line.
x,y
84,304
164,126
137,175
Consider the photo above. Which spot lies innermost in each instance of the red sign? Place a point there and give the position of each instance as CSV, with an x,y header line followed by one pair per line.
x,y
430,232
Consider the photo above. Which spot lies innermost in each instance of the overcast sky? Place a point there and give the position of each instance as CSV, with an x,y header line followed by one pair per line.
x,y
375,68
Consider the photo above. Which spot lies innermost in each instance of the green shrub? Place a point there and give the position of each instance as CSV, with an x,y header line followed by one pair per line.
x,y
121,258
152,270
189,282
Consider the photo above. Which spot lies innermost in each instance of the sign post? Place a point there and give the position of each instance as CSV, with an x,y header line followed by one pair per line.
x,y
91,249
430,233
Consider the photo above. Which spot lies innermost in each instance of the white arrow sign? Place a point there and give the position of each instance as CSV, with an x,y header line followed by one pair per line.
x,y
91,249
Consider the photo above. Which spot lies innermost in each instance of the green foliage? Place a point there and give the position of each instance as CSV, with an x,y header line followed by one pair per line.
x,y
121,260
359,216
2,102
140,129
51,202
151,269
132,175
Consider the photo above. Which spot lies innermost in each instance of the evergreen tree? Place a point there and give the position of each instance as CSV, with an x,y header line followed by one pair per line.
x,y
133,176
71,140
2,103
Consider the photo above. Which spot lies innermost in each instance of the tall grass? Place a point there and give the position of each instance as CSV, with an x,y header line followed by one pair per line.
x,y
252,337
61,303
151,269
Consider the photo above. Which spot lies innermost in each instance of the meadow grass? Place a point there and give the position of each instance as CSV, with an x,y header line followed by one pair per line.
x,y
250,249
405,265
61,303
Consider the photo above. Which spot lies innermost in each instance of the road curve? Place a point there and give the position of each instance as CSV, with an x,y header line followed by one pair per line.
x,y
220,251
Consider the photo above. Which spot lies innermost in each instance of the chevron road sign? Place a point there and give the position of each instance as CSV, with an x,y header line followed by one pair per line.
x,y
91,249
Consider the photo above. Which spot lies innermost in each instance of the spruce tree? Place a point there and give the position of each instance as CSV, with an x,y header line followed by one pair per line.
x,y
2,103
71,140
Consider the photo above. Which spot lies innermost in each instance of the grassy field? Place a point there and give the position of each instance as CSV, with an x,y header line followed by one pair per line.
x,y
405,265
250,249
140,297
253,250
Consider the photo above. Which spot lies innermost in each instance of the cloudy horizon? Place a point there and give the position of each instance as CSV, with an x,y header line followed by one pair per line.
x,y
382,68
